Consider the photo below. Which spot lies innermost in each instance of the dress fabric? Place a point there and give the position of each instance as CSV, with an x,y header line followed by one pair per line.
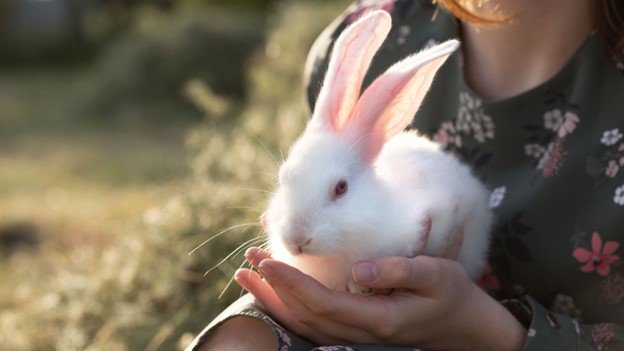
x,y
553,158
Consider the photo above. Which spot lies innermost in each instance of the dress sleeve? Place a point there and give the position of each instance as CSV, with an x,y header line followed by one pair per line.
x,y
558,332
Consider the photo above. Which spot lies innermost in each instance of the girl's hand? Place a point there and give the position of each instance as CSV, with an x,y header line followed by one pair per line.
x,y
433,304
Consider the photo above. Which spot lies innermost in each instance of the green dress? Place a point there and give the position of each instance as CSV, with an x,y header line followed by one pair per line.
x,y
554,160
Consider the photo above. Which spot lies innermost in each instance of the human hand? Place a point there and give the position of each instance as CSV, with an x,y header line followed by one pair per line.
x,y
434,305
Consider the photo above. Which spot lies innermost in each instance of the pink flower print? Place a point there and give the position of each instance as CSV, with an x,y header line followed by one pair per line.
x,y
613,289
457,140
553,119
622,161
552,160
612,169
571,120
442,137
488,282
472,120
602,334
599,258
447,135
621,148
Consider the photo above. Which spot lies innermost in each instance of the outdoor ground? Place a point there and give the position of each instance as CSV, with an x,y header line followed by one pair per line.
x,y
70,188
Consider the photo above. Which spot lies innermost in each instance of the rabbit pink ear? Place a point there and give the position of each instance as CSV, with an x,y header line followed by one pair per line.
x,y
389,104
350,58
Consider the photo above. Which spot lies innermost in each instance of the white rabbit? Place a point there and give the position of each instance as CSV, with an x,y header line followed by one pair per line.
x,y
355,186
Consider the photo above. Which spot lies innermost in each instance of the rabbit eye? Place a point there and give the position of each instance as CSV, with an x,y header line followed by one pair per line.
x,y
341,188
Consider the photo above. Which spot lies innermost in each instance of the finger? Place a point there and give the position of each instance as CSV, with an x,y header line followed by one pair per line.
x,y
334,332
262,291
255,255
271,303
289,314
455,243
329,330
294,287
417,273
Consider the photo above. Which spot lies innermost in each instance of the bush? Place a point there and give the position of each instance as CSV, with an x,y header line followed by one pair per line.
x,y
140,76
236,153
141,291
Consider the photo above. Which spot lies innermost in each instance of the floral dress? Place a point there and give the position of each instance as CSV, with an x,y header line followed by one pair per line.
x,y
554,160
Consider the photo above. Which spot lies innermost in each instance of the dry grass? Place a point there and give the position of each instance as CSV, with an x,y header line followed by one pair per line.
x,y
118,212
82,193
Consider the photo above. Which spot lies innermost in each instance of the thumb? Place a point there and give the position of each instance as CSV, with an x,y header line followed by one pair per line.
x,y
416,273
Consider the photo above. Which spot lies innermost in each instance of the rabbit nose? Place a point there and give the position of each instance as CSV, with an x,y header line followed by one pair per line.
x,y
301,241
263,220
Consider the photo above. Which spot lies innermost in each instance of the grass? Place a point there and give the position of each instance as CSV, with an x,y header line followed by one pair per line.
x,y
50,167
118,201
81,189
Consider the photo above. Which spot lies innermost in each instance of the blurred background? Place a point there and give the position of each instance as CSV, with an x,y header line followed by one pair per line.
x,y
130,132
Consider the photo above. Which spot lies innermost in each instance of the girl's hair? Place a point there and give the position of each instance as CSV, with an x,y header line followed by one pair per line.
x,y
608,17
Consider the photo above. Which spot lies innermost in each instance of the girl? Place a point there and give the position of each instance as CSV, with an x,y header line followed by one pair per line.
x,y
534,103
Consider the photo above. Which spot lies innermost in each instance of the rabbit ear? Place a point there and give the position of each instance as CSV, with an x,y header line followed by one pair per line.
x,y
350,58
389,104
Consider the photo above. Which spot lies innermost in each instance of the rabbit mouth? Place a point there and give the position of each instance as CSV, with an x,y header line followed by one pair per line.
x,y
305,249
308,248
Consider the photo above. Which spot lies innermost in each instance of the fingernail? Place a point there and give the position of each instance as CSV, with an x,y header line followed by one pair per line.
x,y
238,277
365,272
248,252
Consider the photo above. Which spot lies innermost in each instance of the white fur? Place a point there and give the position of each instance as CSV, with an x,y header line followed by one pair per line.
x,y
392,187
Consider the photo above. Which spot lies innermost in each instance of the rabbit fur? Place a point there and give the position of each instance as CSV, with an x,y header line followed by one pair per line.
x,y
356,186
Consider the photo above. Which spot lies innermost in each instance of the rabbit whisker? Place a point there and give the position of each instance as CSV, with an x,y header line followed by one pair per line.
x,y
248,208
254,189
263,145
250,224
235,252
230,282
